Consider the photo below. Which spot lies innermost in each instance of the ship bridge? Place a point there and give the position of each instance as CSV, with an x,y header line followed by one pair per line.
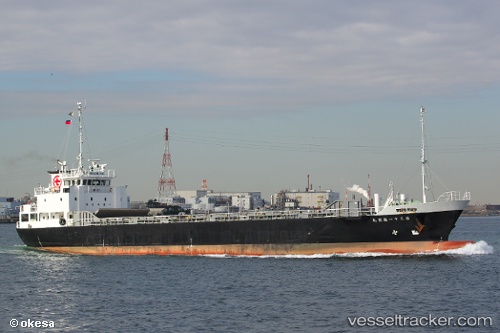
x,y
62,179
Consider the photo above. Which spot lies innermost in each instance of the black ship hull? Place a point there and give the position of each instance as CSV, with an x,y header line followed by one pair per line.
x,y
407,233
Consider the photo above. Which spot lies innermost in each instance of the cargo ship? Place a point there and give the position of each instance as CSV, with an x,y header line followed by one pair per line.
x,y
81,211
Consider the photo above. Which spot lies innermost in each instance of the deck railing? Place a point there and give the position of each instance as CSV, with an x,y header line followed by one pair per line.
x,y
75,173
87,218
453,196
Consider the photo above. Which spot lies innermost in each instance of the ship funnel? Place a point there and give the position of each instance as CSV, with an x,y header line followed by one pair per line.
x,y
376,199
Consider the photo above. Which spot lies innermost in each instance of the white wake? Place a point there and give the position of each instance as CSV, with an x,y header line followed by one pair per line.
x,y
480,247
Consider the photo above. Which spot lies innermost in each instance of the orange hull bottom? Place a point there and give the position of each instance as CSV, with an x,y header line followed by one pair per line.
x,y
266,249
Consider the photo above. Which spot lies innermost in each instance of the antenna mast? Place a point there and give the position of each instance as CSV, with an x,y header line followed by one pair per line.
x,y
163,192
422,157
80,108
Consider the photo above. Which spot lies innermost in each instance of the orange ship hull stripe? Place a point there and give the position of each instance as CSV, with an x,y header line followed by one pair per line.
x,y
265,249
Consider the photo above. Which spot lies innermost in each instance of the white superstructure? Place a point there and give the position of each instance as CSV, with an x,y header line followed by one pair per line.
x,y
72,193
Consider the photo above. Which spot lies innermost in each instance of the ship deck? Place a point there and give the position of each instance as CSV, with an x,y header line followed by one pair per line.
x,y
84,218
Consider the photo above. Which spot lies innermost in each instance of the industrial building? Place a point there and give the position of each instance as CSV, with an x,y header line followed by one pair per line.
x,y
304,199
9,208
210,200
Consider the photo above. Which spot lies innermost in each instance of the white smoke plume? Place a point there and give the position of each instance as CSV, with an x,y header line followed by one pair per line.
x,y
359,189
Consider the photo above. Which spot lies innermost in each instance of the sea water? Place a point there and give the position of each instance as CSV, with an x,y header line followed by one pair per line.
x,y
362,292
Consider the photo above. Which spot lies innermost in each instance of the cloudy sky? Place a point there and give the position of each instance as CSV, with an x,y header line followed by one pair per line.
x,y
256,94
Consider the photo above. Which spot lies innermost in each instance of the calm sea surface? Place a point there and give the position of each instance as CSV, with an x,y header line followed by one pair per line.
x,y
242,294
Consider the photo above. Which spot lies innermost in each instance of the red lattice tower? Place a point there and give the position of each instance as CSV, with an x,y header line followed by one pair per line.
x,y
166,184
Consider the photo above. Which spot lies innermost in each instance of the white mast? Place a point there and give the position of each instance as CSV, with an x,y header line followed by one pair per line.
x,y
80,107
422,157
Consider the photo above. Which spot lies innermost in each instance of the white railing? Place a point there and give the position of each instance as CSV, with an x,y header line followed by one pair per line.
x,y
84,218
45,190
453,196
75,173
87,218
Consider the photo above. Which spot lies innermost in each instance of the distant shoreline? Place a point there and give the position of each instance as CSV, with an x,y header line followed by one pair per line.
x,y
480,214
